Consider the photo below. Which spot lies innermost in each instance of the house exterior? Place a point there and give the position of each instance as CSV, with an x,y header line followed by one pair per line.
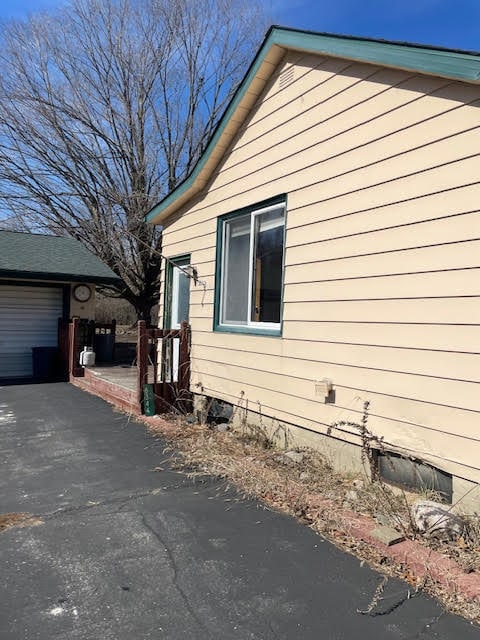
x,y
334,221
42,279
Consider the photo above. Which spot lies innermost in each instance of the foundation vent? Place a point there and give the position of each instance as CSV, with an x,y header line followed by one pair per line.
x,y
286,77
415,475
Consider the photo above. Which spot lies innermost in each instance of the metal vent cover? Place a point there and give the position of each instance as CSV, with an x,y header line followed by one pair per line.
x,y
286,77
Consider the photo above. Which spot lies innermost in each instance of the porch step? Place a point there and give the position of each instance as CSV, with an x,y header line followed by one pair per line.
x,y
117,395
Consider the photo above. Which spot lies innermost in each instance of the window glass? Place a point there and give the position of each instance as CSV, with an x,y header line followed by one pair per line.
x,y
267,267
236,268
252,267
178,299
183,297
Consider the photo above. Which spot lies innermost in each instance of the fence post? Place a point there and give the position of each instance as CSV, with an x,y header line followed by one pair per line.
x,y
142,358
74,368
184,358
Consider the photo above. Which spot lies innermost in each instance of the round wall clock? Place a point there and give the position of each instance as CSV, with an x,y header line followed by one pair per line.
x,y
82,293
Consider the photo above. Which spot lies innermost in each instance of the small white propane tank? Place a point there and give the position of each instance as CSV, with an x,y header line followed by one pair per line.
x,y
87,357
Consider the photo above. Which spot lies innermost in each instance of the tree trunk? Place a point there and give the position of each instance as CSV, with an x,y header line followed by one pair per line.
x,y
143,309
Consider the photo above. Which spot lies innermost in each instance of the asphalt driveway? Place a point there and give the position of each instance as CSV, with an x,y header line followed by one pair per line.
x,y
130,551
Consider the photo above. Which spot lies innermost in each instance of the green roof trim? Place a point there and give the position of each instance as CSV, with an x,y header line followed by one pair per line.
x,y
42,257
448,63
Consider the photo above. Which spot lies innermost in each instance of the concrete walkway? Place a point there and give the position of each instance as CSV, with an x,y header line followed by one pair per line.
x,y
130,549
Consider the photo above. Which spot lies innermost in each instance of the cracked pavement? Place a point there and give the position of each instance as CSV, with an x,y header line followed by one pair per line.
x,y
125,551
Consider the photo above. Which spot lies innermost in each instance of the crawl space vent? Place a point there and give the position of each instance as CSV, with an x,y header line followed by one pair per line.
x,y
415,475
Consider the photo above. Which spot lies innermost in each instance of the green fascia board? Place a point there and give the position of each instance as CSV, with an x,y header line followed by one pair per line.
x,y
458,65
449,63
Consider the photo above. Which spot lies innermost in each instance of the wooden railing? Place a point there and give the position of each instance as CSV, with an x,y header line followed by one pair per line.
x,y
163,365
162,362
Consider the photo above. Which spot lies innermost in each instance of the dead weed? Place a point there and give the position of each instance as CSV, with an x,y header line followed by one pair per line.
x,y
8,520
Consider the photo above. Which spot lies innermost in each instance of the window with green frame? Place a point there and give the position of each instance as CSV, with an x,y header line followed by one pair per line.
x,y
177,292
250,256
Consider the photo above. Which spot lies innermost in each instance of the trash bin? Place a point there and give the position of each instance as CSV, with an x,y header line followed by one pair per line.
x,y
104,347
45,362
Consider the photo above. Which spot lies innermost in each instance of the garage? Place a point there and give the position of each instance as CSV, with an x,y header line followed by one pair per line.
x,y
43,279
28,319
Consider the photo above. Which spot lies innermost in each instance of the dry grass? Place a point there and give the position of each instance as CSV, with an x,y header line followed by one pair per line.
x,y
246,459
8,520
466,550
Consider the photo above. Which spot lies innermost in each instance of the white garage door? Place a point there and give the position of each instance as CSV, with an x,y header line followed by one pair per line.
x,y
28,318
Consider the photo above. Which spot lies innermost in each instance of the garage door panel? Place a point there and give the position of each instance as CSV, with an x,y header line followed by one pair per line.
x,y
28,318
14,365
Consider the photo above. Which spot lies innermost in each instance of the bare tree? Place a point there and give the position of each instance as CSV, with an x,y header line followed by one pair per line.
x,y
105,105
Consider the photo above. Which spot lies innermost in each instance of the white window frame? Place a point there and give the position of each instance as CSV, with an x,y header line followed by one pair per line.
x,y
250,324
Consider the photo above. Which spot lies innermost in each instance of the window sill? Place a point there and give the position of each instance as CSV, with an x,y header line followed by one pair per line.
x,y
256,331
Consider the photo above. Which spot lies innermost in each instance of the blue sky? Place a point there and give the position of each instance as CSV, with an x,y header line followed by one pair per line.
x,y
448,23
21,8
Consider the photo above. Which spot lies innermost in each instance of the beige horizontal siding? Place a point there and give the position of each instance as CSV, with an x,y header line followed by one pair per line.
x,y
321,144
335,94
424,311
443,284
382,192
464,282
409,91
339,176
335,157
382,138
428,337
382,290
364,367
455,452
442,231
326,79
441,257
379,190
175,234
312,336
435,202
299,397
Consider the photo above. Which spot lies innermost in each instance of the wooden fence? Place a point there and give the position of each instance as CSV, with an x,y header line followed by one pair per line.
x,y
163,361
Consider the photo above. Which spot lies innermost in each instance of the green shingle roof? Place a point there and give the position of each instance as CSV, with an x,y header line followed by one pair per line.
x,y
42,257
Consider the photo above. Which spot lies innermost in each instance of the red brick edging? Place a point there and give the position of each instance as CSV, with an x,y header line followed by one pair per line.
x,y
418,560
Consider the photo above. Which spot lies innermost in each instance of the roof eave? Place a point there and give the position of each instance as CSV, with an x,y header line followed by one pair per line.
x,y
455,65
11,274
